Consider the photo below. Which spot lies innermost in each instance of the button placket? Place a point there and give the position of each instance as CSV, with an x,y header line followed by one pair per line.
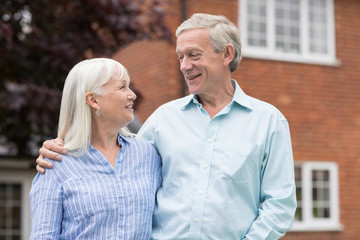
x,y
203,180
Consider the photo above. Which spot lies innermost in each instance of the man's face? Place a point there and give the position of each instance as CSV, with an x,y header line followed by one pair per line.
x,y
202,67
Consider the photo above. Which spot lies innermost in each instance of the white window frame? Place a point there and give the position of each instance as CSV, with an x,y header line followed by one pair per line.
x,y
305,56
309,223
24,178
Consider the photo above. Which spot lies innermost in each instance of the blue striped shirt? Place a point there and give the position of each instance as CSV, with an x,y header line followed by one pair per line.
x,y
87,198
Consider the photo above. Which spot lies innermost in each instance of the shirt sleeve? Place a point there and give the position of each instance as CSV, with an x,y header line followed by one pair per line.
x,y
158,172
277,199
46,207
147,131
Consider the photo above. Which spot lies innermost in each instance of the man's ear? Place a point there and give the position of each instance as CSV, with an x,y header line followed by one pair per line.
x,y
91,99
229,52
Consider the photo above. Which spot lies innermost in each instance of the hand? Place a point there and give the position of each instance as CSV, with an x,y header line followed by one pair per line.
x,y
50,149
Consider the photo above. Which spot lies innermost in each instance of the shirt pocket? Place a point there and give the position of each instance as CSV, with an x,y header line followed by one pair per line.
x,y
88,199
240,161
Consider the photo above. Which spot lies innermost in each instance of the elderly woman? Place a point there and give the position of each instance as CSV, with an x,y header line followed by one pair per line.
x,y
104,188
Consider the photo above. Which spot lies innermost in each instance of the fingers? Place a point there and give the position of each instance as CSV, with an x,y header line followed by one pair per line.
x,y
52,148
41,164
40,169
45,153
59,141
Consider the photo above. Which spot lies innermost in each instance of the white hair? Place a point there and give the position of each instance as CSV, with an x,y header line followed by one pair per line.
x,y
221,32
75,114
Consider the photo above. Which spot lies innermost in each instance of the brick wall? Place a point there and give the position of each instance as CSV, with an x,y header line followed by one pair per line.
x,y
321,103
325,116
149,65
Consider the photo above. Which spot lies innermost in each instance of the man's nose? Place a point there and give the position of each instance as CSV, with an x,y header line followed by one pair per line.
x,y
185,64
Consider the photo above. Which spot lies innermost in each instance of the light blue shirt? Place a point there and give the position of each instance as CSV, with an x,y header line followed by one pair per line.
x,y
229,177
87,198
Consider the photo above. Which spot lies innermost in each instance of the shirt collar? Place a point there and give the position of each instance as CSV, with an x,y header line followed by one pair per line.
x,y
121,140
239,97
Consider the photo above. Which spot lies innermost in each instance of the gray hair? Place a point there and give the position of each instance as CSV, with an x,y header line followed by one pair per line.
x,y
75,114
222,32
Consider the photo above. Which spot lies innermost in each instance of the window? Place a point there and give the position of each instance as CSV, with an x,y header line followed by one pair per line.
x,y
317,196
10,206
289,30
14,204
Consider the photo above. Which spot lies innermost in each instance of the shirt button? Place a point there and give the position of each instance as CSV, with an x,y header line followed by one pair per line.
x,y
205,166
196,220
201,191
209,140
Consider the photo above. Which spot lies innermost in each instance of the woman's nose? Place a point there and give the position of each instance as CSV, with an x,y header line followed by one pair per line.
x,y
132,96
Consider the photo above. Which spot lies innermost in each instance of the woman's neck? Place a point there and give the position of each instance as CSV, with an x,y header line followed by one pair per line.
x,y
106,142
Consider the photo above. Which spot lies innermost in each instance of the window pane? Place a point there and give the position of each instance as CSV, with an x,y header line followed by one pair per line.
x,y
10,210
327,213
2,217
287,26
256,14
16,192
320,194
317,26
298,214
2,194
16,218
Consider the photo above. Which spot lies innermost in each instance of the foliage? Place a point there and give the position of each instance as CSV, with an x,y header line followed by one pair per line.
x,y
41,40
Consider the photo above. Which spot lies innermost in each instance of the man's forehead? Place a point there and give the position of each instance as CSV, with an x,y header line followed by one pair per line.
x,y
193,39
188,48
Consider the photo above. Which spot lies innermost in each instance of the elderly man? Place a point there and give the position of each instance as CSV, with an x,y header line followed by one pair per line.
x,y
227,161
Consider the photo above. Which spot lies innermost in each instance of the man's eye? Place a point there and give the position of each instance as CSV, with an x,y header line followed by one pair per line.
x,y
195,56
180,58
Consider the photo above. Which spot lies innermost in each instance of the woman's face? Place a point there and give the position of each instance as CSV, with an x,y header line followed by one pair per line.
x,y
117,103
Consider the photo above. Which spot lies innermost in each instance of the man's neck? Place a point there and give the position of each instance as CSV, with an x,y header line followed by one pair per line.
x,y
213,103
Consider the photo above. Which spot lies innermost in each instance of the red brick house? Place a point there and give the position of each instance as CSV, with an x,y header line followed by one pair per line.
x,y
303,57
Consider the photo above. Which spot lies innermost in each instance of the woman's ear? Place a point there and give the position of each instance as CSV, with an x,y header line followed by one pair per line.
x,y
91,99
229,54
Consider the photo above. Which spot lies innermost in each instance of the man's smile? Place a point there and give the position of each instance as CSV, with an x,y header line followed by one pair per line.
x,y
193,77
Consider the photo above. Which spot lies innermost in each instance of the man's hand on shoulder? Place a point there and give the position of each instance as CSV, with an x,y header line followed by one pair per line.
x,y
50,149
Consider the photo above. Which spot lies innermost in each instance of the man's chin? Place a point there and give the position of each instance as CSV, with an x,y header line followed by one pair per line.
x,y
192,89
